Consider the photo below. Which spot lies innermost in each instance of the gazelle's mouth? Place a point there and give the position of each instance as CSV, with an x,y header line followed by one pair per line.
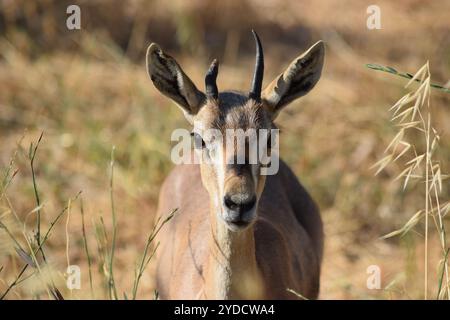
x,y
238,225
241,221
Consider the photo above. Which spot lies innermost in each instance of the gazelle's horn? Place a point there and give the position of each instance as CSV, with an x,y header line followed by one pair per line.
x,y
255,92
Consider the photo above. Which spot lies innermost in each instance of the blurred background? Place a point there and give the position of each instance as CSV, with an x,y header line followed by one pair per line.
x,y
87,90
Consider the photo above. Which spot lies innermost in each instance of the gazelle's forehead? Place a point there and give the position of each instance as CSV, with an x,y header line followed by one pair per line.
x,y
244,114
247,116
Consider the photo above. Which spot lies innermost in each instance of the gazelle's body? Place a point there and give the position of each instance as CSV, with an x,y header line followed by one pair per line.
x,y
238,233
284,246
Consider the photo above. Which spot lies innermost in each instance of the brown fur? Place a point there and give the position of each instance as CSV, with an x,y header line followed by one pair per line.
x,y
288,238
280,245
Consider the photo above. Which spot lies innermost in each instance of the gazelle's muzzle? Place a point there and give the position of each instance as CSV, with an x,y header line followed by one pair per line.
x,y
239,198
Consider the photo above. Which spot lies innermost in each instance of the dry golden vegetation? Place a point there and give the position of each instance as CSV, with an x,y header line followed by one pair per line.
x,y
88,91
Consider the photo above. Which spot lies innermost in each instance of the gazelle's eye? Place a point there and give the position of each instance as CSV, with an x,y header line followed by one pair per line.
x,y
269,142
199,143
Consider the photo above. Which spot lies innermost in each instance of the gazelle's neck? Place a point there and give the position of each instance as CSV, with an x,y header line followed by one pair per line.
x,y
232,271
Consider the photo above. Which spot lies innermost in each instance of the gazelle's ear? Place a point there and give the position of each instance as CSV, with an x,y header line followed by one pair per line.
x,y
170,80
296,81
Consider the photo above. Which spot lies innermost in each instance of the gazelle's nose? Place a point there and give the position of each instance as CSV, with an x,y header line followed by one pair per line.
x,y
240,203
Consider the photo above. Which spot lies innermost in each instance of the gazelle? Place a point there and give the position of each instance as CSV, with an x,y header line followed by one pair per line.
x,y
237,234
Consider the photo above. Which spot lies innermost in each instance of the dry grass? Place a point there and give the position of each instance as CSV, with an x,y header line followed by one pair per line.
x,y
88,91
412,114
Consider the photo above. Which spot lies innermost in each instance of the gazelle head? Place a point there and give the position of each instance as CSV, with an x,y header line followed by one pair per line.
x,y
233,181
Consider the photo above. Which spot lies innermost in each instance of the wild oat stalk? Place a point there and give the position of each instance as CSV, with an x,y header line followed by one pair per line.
x,y
30,261
32,155
8,176
102,251
298,295
403,75
146,257
412,112
86,248
111,282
